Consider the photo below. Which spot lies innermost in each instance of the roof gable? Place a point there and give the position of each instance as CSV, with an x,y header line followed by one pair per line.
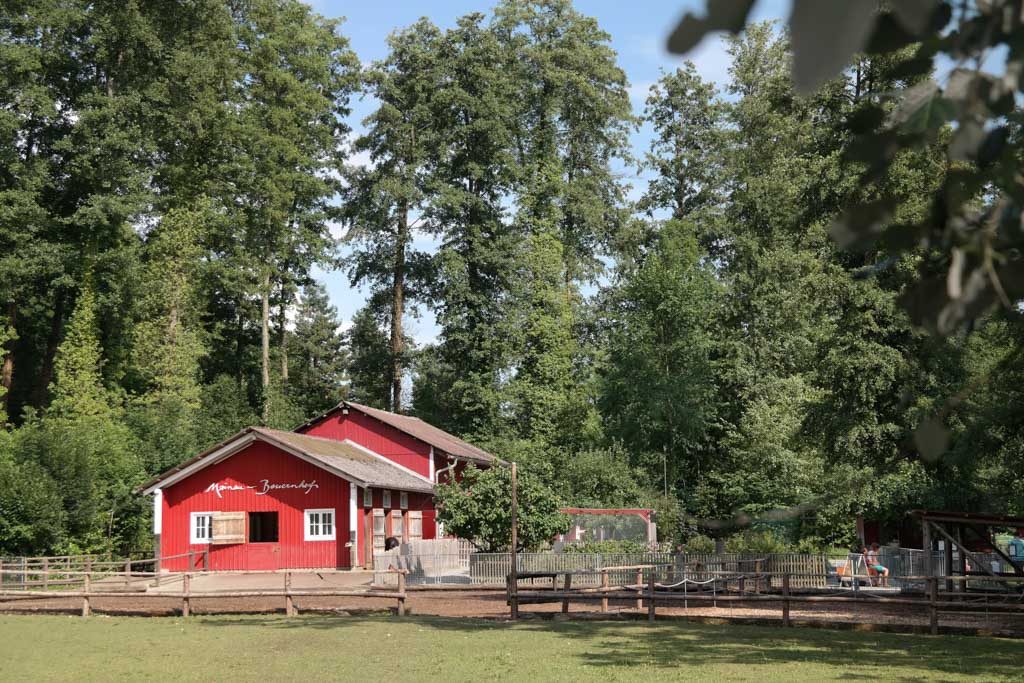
x,y
416,428
341,458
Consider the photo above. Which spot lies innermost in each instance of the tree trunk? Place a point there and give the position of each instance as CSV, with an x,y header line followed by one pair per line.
x,y
282,331
52,342
398,308
265,343
7,374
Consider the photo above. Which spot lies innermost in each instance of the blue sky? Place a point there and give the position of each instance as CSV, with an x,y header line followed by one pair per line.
x,y
638,30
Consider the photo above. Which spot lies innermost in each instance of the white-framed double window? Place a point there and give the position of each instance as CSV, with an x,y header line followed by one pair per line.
x,y
200,527
387,498
367,497
403,500
320,524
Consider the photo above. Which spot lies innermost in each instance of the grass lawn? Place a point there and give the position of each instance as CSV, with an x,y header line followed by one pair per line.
x,y
271,648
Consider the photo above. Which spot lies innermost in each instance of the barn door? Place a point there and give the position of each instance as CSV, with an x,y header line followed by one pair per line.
x,y
228,527
379,531
415,525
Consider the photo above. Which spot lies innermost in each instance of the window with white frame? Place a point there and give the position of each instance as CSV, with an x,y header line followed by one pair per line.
x,y
320,524
367,497
403,500
387,498
200,527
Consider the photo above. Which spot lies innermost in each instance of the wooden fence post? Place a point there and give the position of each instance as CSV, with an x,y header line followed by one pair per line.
x,y
46,574
86,607
401,594
289,607
640,588
757,576
186,607
785,600
565,597
604,590
127,573
191,561
933,610
650,595
206,560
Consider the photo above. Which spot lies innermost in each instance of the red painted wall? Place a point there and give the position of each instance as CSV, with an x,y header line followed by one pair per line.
x,y
380,438
248,467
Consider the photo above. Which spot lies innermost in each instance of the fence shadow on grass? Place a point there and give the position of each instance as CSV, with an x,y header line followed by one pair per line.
x,y
874,656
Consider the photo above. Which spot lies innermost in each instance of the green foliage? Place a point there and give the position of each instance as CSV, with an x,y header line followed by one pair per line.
x,y
477,507
610,547
699,544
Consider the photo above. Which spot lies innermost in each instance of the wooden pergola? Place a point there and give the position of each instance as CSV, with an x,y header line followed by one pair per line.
x,y
957,529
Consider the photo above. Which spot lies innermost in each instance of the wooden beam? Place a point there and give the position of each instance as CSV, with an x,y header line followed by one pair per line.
x,y
987,570
1018,571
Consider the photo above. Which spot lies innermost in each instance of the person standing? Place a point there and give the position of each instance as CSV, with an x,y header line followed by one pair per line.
x,y
1016,547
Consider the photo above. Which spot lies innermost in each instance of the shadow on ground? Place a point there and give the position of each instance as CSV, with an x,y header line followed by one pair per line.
x,y
887,656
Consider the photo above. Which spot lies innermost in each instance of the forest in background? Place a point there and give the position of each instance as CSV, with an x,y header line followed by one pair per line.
x,y
170,174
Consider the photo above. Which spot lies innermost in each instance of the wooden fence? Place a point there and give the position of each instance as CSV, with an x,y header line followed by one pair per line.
x,y
427,565
88,588
646,589
64,572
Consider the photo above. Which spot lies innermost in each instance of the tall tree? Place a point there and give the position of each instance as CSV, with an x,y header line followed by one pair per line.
x,y
298,75
384,197
473,173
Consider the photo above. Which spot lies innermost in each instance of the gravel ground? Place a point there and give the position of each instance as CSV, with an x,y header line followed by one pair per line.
x,y
491,605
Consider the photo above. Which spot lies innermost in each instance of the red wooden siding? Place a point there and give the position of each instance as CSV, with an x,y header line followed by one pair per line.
x,y
249,467
382,439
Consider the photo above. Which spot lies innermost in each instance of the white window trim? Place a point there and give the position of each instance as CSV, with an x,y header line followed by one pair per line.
x,y
322,537
386,498
192,528
403,500
368,497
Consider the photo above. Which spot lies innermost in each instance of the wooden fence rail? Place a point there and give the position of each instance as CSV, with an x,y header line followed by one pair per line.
x,y
653,593
187,595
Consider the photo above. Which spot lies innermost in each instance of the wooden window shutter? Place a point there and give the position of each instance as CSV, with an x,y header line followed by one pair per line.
x,y
378,530
415,525
228,527
396,525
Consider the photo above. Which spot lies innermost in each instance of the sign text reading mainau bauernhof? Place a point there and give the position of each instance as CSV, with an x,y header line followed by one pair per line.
x,y
265,487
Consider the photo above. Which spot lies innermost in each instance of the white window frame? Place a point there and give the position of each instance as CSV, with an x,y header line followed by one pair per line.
x,y
367,497
320,536
403,500
386,498
192,538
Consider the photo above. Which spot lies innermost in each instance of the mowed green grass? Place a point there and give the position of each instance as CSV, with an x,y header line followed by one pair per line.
x,y
314,647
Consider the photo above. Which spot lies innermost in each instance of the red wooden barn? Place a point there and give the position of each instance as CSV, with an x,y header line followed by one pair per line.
x,y
325,495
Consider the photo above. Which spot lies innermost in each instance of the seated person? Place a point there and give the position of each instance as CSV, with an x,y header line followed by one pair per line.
x,y
873,562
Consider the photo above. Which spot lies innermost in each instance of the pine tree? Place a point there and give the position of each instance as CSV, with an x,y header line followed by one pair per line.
x,y
78,388
369,366
320,362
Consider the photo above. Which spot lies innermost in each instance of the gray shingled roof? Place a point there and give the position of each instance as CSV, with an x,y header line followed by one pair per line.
x,y
348,460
